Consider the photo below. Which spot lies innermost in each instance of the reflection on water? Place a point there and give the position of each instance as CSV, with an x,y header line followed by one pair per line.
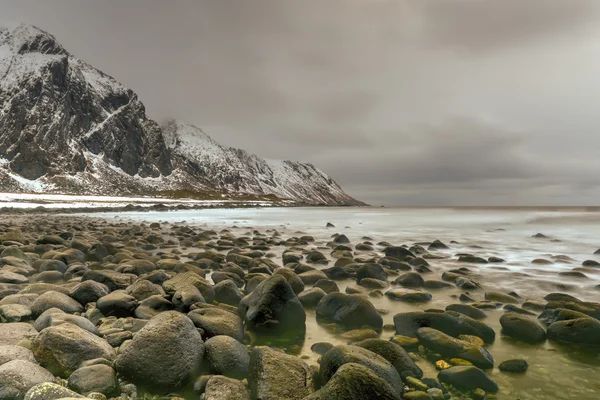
x,y
555,371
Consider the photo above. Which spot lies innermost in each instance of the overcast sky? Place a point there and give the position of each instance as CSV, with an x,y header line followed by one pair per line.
x,y
403,102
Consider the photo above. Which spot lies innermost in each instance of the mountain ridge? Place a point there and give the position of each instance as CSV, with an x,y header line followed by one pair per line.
x,y
67,127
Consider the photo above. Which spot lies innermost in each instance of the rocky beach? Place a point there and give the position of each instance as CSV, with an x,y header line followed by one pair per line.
x,y
126,307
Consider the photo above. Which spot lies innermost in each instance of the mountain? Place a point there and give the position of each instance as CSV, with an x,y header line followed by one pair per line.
x,y
67,127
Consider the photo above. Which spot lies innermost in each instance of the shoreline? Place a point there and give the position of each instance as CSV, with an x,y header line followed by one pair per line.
x,y
213,281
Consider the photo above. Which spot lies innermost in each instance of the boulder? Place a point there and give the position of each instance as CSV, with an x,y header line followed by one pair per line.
x,y
111,279
11,352
514,366
51,391
227,292
409,295
97,378
467,378
61,349
226,356
501,298
522,328
273,305
88,292
14,313
410,279
344,354
164,355
371,270
54,317
180,281
393,353
293,279
467,310
449,322
274,375
551,316
355,381
142,289
58,300
450,347
350,311
582,331
18,376
12,334
311,297
215,321
223,388
117,304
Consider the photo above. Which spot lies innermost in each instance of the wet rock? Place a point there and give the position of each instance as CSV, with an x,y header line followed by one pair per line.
x,y
466,284
185,297
588,308
551,316
437,245
215,321
583,331
181,281
514,366
350,311
517,310
111,279
293,279
227,292
164,355
226,356
223,388
95,378
312,277
327,285
142,289
321,347
11,352
62,348
553,297
310,298
371,270
50,391
449,322
18,376
522,328
341,239
467,310
12,334
14,313
356,335
394,354
316,257
354,381
117,304
273,305
88,292
467,378
472,259
55,317
410,279
399,253
344,354
274,375
450,347
501,298
496,260
433,284
410,296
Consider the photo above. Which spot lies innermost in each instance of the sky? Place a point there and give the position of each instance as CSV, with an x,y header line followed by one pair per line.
x,y
402,102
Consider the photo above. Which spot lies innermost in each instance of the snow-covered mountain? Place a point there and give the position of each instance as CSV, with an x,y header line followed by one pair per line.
x,y
67,127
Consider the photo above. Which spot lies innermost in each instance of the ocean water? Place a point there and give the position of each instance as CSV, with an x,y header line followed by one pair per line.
x,y
555,371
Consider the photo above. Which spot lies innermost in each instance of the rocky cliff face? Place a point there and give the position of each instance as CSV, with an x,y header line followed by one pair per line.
x,y
67,127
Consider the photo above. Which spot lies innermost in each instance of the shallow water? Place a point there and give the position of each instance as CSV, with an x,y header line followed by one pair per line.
x,y
555,372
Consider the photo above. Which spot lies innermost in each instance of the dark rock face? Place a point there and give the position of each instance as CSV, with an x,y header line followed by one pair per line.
x,y
76,128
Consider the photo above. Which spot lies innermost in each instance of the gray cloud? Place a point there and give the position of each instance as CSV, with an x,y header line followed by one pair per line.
x,y
368,90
